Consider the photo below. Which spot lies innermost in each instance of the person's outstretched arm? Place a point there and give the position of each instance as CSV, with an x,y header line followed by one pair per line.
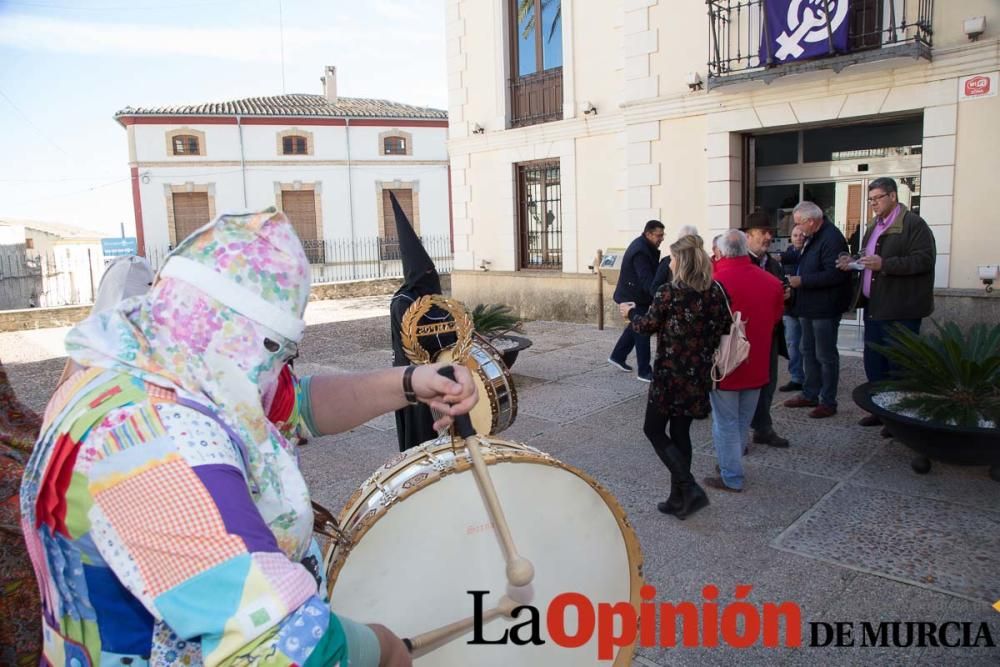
x,y
340,402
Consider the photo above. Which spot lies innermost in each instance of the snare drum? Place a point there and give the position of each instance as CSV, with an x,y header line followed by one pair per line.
x,y
416,537
497,406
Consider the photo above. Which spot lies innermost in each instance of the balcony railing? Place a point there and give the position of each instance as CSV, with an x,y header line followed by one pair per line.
x,y
536,98
740,44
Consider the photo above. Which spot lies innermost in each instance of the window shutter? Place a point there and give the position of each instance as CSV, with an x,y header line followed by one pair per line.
x,y
191,211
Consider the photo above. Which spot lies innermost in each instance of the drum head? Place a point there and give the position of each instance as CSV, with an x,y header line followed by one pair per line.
x,y
414,567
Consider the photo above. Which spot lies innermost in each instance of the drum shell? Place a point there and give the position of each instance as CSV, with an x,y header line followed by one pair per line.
x,y
497,407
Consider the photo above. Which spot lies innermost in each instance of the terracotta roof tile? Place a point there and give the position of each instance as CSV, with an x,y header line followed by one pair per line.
x,y
293,105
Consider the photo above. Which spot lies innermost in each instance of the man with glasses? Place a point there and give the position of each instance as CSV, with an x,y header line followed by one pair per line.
x,y
897,284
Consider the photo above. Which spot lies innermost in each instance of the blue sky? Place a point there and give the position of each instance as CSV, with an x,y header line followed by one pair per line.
x,y
66,66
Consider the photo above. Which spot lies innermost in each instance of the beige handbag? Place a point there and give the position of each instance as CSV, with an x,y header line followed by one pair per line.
x,y
734,348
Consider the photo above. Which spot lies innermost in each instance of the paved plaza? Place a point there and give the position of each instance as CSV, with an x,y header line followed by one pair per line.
x,y
838,523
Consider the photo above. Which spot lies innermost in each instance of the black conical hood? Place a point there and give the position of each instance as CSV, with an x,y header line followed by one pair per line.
x,y
419,273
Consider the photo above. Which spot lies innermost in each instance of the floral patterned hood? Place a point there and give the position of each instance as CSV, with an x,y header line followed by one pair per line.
x,y
223,315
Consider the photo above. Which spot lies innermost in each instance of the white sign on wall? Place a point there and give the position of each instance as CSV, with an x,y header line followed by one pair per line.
x,y
978,86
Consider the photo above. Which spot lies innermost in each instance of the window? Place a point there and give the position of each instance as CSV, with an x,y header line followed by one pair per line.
x,y
388,239
394,145
186,144
29,244
294,145
300,207
191,211
539,215
536,61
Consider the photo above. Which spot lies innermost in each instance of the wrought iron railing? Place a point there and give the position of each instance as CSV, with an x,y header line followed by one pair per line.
x,y
741,46
358,259
63,277
536,98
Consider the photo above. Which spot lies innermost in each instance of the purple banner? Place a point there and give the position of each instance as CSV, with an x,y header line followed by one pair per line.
x,y
800,29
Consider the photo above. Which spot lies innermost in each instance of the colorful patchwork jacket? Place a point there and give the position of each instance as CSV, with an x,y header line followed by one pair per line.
x,y
144,534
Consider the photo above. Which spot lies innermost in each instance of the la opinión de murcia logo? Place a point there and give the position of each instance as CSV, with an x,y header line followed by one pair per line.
x,y
707,624
807,22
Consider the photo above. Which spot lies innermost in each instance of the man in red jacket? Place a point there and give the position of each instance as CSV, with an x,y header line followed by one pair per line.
x,y
760,298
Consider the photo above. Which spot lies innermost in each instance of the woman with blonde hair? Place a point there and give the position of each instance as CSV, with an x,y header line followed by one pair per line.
x,y
689,316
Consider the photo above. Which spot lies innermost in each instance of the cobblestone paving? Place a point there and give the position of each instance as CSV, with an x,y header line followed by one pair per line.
x,y
837,523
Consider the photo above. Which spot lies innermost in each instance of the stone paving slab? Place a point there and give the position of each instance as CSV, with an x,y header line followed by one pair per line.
x,y
549,402
933,543
889,469
829,453
609,377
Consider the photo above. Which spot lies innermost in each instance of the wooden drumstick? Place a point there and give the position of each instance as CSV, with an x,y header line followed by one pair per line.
x,y
520,571
426,642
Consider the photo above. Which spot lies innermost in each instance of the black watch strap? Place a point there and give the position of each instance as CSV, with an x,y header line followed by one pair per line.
x,y
408,392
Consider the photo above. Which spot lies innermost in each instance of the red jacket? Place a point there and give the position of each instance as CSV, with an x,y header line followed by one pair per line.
x,y
759,296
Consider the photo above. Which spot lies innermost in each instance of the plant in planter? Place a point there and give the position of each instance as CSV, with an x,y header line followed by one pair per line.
x,y
495,322
943,400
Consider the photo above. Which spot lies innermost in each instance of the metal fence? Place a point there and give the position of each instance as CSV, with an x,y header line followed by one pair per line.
x,y
362,258
58,277
30,279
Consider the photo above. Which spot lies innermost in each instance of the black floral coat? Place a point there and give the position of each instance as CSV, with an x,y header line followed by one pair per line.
x,y
688,325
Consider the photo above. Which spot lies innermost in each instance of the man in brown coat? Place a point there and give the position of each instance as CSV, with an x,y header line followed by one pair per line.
x,y
897,285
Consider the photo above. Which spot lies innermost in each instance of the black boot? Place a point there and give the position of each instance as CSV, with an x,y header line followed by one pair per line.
x,y
674,501
680,473
693,498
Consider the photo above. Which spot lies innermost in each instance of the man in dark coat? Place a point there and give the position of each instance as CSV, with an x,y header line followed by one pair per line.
x,y
414,423
822,294
635,284
897,286
760,233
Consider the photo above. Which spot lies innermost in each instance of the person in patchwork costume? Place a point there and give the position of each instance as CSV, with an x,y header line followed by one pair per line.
x,y
165,516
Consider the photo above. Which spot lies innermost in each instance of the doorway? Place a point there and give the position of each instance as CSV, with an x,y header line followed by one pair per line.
x,y
832,167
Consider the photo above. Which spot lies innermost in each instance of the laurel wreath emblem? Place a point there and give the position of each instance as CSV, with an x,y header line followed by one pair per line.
x,y
412,331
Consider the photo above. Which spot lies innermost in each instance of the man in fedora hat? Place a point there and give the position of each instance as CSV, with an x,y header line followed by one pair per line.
x,y
760,233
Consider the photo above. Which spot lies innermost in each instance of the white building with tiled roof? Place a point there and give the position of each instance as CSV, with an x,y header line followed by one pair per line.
x,y
329,162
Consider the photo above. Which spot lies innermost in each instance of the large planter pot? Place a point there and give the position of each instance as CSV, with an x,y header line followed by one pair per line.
x,y
509,354
961,445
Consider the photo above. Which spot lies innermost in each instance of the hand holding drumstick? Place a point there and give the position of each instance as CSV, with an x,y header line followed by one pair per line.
x,y
428,641
520,571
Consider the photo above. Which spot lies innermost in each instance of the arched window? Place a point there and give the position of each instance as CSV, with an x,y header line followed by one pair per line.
x,y
186,144
394,145
294,144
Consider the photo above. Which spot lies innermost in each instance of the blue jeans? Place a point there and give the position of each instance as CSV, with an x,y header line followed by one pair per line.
x,y
640,342
877,367
731,415
793,338
820,359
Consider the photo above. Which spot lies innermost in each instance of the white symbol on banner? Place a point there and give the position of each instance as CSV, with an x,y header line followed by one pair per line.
x,y
812,26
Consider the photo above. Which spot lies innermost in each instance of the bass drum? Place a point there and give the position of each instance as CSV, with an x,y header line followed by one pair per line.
x,y
416,538
497,406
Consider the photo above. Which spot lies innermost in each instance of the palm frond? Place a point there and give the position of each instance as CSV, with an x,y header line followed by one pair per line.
x,y
494,320
948,375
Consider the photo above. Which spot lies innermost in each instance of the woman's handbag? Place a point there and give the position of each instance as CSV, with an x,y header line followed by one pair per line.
x,y
734,348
